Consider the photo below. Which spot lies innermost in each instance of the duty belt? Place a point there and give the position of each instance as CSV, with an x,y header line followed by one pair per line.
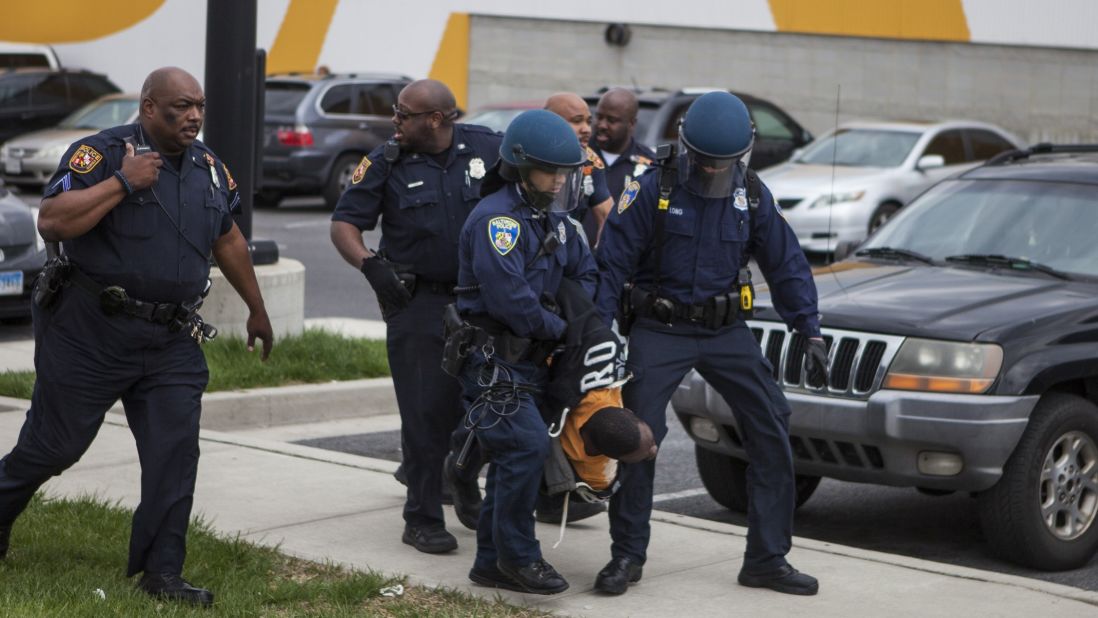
x,y
113,300
443,288
718,311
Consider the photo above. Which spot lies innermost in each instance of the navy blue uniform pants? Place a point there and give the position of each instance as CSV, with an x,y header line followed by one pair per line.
x,y
85,362
429,402
731,361
515,441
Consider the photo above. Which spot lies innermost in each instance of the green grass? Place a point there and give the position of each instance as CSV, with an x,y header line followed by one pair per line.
x,y
311,357
64,550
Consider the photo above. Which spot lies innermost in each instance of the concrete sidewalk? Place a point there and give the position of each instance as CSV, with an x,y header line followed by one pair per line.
x,y
322,505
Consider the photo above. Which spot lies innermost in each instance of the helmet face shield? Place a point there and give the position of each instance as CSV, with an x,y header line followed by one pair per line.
x,y
553,189
707,176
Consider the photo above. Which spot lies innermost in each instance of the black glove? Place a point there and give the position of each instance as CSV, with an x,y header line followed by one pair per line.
x,y
815,362
391,293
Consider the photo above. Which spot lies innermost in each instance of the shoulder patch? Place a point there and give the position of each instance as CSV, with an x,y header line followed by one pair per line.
x,y
628,196
229,177
503,232
360,171
84,159
594,158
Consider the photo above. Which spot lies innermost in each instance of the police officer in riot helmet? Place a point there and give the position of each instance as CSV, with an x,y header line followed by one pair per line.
x,y
138,210
516,247
420,186
689,296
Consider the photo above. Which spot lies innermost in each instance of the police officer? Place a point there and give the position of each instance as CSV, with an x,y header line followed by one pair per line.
x,y
138,230
597,199
516,247
686,269
615,123
422,185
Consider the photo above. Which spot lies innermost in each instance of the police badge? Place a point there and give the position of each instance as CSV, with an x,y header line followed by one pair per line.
x,y
588,186
740,201
476,168
560,232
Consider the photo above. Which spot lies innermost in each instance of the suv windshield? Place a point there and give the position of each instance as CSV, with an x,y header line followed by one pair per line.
x,y
282,98
101,115
861,148
1045,222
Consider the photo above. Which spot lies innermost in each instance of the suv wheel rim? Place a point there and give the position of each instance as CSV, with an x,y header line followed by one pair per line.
x,y
1069,486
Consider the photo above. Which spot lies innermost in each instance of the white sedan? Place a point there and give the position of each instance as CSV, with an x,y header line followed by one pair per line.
x,y
852,179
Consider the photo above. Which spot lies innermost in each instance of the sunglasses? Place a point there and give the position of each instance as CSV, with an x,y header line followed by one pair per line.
x,y
403,115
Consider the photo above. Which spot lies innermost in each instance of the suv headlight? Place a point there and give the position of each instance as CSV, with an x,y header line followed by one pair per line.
x,y
944,366
837,198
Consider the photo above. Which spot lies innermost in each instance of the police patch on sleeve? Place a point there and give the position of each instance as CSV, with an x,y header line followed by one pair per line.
x,y
360,171
84,159
628,196
595,159
504,234
229,177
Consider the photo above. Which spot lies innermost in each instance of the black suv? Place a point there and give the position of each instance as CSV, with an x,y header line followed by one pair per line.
x,y
659,111
32,99
317,129
963,340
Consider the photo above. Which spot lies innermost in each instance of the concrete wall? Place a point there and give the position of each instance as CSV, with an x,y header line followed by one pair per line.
x,y
1038,93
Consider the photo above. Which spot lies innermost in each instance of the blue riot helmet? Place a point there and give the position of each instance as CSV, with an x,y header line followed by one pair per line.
x,y
715,133
541,153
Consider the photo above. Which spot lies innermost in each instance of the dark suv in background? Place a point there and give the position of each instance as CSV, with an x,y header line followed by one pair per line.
x,y
659,111
32,99
963,356
317,129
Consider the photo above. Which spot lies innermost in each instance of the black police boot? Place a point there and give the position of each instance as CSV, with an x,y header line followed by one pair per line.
x,y
172,587
493,578
615,577
538,577
786,579
466,494
577,510
429,539
5,539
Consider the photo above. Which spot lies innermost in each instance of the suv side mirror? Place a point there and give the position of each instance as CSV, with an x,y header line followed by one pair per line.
x,y
845,249
929,162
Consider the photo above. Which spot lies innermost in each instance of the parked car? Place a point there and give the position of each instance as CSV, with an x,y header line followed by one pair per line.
x,y
777,135
32,159
24,55
318,128
854,178
32,99
963,356
497,116
22,255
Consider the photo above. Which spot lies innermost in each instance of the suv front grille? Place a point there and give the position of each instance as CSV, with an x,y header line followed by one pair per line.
x,y
856,361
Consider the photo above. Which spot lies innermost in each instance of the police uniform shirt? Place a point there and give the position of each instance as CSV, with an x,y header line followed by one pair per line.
x,y
501,253
704,246
594,190
422,204
156,243
630,165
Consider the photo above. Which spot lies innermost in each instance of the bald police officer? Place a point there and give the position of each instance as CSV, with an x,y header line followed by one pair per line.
x,y
138,230
685,259
421,185
615,123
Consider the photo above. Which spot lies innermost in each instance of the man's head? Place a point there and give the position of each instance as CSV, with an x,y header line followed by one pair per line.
x,y
617,433
615,120
571,107
716,133
424,117
173,107
540,152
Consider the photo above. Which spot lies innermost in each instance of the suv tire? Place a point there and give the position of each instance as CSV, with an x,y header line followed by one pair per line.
x,y
725,478
1054,468
340,178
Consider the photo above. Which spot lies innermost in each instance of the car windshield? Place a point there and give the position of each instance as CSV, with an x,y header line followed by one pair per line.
x,y
282,98
494,119
861,148
1048,223
101,115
